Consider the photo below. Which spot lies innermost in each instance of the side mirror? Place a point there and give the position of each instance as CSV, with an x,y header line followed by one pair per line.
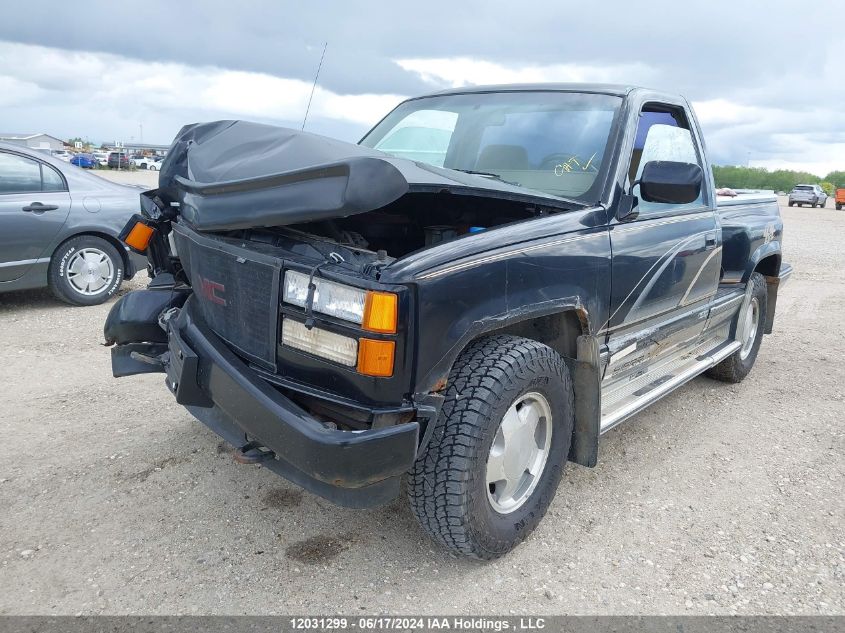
x,y
670,182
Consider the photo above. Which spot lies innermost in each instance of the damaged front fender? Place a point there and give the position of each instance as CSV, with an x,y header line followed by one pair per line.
x,y
132,326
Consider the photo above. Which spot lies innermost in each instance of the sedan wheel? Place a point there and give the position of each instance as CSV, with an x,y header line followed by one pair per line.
x,y
85,270
89,270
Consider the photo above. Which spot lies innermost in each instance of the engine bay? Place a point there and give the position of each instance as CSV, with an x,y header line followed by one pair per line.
x,y
420,221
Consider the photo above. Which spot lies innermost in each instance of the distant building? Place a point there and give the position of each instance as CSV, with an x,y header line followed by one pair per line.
x,y
147,148
34,140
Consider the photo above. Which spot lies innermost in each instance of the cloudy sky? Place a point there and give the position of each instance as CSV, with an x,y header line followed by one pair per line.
x,y
766,78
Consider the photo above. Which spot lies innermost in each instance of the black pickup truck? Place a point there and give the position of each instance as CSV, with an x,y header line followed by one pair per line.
x,y
469,297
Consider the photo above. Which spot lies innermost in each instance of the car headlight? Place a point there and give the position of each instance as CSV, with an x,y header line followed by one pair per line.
x,y
374,311
335,347
337,300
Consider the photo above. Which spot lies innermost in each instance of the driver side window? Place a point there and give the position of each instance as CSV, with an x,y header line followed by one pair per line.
x,y
663,133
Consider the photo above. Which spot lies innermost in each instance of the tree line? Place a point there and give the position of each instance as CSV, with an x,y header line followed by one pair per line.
x,y
778,180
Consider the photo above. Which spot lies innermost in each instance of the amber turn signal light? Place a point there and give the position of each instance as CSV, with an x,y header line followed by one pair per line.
x,y
380,309
139,237
375,358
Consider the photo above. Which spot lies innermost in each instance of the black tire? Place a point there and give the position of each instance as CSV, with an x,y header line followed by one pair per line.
x,y
839,207
447,486
791,203
66,289
735,368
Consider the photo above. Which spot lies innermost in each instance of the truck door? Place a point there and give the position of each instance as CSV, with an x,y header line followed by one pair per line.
x,y
666,257
34,204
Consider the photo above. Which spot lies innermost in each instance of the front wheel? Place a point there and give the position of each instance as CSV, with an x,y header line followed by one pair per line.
x,y
750,330
496,454
85,271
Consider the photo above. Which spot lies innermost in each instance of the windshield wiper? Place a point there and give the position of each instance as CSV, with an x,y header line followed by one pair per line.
x,y
478,173
516,184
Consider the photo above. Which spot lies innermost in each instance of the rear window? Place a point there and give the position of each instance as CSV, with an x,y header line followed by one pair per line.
x,y
802,188
51,180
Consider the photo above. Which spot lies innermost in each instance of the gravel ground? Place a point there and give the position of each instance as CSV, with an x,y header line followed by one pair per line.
x,y
718,499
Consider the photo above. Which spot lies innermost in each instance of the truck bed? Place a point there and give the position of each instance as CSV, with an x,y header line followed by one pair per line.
x,y
746,196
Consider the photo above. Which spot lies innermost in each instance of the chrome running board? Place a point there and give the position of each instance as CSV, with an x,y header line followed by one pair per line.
x,y
639,397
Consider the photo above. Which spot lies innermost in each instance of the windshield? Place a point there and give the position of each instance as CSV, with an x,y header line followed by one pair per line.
x,y
555,142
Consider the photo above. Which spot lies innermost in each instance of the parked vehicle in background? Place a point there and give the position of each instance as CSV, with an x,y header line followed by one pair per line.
x,y
86,161
102,158
470,304
813,195
62,154
119,159
150,162
59,227
840,198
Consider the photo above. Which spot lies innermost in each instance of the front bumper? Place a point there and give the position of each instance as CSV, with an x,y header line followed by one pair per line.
x,y
349,468
135,263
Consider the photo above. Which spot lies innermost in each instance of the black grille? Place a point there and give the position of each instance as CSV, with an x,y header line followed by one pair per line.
x,y
237,297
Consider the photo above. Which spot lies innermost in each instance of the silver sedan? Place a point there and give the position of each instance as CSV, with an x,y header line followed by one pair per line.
x,y
59,228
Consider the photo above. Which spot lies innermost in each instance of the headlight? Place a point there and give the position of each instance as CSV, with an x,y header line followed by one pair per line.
x,y
374,311
337,300
340,349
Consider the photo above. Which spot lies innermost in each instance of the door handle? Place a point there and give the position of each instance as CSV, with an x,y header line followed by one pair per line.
x,y
710,240
38,207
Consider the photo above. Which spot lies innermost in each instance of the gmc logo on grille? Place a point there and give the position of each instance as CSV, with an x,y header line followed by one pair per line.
x,y
212,291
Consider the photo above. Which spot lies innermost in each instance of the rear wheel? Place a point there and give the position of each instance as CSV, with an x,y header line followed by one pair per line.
x,y
750,329
85,270
838,207
496,454
791,203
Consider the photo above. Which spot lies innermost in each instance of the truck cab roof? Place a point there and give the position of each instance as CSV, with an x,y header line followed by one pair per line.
x,y
619,90
603,88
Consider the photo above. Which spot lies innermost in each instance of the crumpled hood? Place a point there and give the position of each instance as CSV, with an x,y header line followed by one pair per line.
x,y
230,175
